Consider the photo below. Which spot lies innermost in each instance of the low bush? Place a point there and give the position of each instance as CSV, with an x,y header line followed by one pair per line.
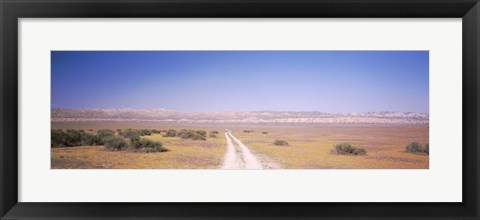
x,y
146,145
200,132
264,132
131,134
191,134
416,147
67,138
90,140
348,149
102,134
155,131
105,133
212,135
72,138
170,133
144,132
279,142
248,131
214,132
197,136
115,143
58,138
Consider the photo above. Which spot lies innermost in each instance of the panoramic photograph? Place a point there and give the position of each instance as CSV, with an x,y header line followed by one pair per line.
x,y
236,110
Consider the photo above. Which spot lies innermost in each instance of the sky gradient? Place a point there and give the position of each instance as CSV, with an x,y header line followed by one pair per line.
x,y
192,81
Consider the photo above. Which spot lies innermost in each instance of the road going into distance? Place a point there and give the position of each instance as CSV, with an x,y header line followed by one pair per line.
x,y
239,156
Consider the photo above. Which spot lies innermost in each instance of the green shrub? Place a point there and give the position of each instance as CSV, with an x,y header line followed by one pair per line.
x,y
197,136
359,151
58,138
146,145
214,132
144,132
185,134
155,131
106,137
115,143
102,134
170,133
212,135
248,131
416,147
73,137
348,149
191,134
131,134
202,133
90,140
279,142
264,132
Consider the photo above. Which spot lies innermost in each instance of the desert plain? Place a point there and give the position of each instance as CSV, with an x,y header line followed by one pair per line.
x,y
243,146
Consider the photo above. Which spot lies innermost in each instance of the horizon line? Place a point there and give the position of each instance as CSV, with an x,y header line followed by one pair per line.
x,y
166,109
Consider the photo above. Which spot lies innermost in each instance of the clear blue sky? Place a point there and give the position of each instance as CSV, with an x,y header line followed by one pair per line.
x,y
327,81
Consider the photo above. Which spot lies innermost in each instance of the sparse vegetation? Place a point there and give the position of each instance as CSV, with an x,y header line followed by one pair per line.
x,y
106,137
102,134
193,135
416,147
131,134
144,132
201,132
115,143
248,131
146,145
89,140
348,149
72,138
170,133
313,148
264,132
213,134
279,142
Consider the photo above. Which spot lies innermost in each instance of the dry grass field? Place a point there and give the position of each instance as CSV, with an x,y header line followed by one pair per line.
x,y
309,148
182,154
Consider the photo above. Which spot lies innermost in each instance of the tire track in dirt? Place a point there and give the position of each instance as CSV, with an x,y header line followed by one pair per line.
x,y
249,160
231,160
239,156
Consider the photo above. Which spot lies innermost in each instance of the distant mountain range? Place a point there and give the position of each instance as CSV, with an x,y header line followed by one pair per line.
x,y
252,117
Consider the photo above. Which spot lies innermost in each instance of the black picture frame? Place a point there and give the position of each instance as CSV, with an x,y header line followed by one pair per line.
x,y
12,10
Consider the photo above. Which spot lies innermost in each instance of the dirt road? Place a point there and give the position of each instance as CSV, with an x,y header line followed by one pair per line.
x,y
239,156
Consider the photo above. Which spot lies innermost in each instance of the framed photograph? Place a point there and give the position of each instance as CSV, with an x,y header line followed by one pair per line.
x,y
179,109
